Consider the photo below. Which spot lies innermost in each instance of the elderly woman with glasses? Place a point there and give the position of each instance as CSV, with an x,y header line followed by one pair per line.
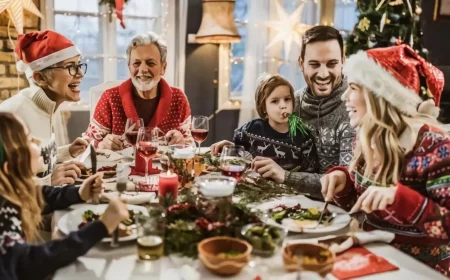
x,y
52,64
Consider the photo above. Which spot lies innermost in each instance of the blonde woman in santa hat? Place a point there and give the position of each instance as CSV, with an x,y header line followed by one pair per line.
x,y
400,175
52,64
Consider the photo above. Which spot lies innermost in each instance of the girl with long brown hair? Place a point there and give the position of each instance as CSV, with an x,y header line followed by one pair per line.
x,y
400,175
22,202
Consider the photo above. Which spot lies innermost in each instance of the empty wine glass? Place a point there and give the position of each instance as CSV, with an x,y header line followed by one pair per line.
x,y
199,129
147,145
131,131
232,161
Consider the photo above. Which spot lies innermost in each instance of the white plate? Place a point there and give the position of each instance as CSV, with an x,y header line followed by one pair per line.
x,y
70,221
341,220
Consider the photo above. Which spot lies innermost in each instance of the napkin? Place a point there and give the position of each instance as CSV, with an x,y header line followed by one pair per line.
x,y
340,244
135,198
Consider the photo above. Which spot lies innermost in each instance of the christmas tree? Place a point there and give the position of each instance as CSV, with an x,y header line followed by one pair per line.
x,y
384,23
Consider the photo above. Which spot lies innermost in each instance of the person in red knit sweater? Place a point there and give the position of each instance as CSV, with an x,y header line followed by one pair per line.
x,y
400,174
145,95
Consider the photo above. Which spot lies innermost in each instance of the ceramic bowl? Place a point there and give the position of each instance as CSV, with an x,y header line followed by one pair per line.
x,y
209,251
316,258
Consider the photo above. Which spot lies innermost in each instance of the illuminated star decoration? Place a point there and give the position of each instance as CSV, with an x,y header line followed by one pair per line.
x,y
288,27
15,11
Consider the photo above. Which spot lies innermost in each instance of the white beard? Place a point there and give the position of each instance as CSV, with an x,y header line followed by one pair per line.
x,y
146,86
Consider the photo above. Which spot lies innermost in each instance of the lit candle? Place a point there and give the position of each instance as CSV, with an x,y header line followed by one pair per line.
x,y
168,188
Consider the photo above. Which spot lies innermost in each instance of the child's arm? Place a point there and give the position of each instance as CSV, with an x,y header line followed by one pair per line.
x,y
240,137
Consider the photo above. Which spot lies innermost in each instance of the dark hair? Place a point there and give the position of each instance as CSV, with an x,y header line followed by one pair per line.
x,y
266,86
321,33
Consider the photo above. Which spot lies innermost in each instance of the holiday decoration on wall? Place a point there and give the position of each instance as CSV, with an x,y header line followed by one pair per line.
x,y
15,10
384,23
288,28
117,5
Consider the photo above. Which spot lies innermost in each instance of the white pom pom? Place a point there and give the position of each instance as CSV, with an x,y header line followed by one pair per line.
x,y
21,66
428,108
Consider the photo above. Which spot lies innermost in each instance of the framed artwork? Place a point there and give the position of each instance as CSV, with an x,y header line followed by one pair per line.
x,y
442,9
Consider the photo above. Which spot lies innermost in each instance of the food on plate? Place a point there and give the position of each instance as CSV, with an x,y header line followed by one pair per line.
x,y
301,216
85,173
263,238
108,172
125,227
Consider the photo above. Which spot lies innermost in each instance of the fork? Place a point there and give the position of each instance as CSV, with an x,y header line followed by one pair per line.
x,y
321,214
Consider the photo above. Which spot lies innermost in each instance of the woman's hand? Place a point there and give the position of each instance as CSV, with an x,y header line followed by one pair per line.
x,y
333,183
91,187
375,199
111,142
116,212
174,137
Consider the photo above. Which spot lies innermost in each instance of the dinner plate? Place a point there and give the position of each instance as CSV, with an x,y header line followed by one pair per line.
x,y
341,220
70,221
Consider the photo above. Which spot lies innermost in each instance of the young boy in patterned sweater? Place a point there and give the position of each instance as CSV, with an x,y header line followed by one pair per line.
x,y
269,135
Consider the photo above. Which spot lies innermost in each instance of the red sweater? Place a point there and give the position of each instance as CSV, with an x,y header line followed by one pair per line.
x,y
420,215
116,106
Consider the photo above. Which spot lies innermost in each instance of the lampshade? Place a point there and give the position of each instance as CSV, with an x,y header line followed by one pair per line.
x,y
217,23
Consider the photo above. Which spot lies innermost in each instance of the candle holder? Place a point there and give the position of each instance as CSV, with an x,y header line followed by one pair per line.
x,y
214,196
181,162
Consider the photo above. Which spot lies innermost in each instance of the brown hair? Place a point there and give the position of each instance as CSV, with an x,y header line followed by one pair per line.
x,y
265,87
16,176
321,33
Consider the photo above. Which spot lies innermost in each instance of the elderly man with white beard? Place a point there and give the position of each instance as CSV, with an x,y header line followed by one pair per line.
x,y
145,95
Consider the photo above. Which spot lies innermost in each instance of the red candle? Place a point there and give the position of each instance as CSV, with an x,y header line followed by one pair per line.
x,y
168,188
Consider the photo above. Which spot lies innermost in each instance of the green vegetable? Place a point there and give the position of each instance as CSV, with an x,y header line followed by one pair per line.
x,y
279,216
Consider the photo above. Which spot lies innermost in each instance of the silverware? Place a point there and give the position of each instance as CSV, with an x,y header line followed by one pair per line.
x,y
121,187
321,214
93,155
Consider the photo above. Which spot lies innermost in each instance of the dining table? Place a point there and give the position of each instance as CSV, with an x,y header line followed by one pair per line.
x,y
122,263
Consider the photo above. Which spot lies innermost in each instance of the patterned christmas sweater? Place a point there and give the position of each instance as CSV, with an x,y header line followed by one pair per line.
x,y
260,139
21,260
420,215
116,106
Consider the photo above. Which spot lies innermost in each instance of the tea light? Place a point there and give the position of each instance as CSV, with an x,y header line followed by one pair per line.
x,y
184,153
168,185
218,188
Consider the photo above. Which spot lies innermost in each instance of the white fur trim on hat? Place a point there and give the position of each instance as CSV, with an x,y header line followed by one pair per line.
x,y
363,70
49,60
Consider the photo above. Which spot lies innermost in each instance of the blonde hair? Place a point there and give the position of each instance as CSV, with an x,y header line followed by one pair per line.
x,y
378,151
267,84
16,176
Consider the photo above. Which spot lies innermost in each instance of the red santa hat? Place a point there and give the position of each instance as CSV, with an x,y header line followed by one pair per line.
x,y
395,74
39,50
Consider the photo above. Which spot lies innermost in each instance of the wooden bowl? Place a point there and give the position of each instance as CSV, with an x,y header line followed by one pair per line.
x,y
322,267
209,250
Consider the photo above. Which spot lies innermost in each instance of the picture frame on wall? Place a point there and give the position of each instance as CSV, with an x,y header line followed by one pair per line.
x,y
442,9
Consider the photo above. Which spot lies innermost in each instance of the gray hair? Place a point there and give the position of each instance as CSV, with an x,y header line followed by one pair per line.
x,y
148,39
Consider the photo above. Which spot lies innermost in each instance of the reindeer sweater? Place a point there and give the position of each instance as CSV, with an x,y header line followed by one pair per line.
x,y
260,139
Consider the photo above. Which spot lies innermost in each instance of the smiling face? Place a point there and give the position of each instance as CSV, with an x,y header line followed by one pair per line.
x,y
58,83
279,102
322,66
355,104
146,67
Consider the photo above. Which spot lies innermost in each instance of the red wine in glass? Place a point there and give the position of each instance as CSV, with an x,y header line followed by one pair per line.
x,y
146,149
235,171
199,135
132,137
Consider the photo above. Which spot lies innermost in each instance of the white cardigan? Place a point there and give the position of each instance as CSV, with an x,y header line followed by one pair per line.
x,y
38,112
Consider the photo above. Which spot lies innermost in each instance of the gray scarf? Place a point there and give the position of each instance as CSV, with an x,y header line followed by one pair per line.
x,y
314,107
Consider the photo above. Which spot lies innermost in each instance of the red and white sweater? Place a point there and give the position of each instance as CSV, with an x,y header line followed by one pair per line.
x,y
420,214
116,106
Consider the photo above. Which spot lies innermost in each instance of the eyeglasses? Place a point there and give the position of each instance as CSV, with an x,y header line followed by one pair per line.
x,y
73,69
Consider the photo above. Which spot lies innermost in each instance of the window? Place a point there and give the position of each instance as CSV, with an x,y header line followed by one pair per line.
x,y
345,16
99,36
238,49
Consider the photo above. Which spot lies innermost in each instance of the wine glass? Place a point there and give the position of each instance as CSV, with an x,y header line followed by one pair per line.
x,y
131,131
232,161
147,145
199,129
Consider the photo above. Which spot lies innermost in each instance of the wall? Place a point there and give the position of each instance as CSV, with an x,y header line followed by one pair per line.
x,y
202,61
437,41
10,83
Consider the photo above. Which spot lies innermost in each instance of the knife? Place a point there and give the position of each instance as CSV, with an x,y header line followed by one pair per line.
x,y
93,155
84,156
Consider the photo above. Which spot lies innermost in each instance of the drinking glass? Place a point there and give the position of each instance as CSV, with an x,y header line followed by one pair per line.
x,y
131,131
233,162
147,145
199,129
150,232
